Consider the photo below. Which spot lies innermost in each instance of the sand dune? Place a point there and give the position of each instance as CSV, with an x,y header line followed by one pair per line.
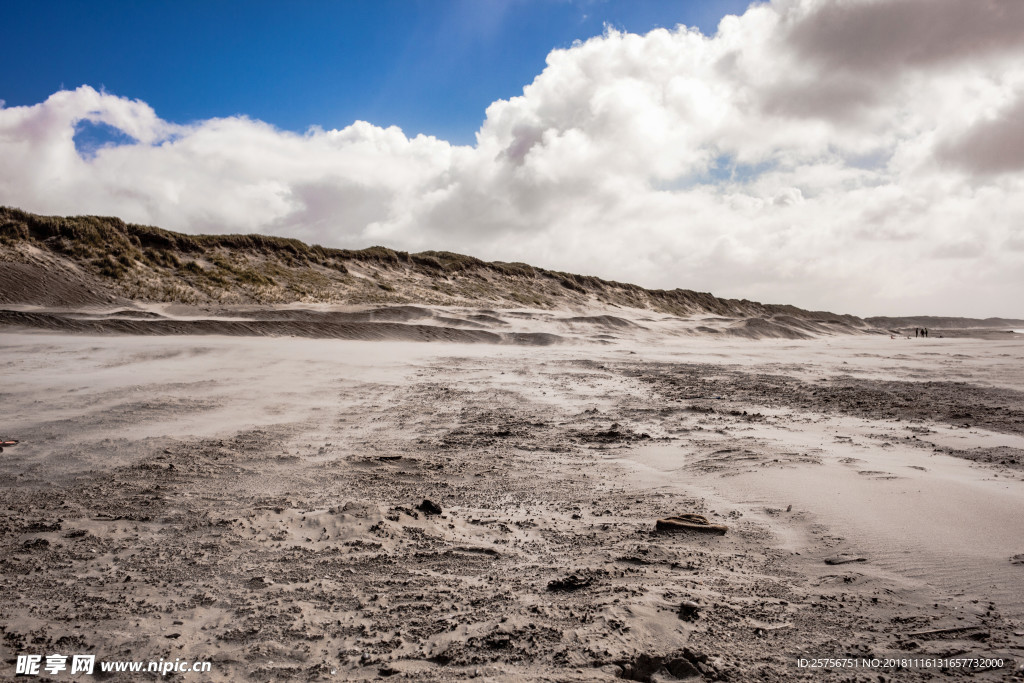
x,y
97,259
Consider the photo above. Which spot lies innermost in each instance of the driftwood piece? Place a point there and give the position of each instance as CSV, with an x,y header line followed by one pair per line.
x,y
938,632
690,523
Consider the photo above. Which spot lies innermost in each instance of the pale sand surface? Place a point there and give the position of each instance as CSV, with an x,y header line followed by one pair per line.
x,y
252,501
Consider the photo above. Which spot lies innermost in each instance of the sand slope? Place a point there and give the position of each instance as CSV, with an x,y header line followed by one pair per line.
x,y
113,259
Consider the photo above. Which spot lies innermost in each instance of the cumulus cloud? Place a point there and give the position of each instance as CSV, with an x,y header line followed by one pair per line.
x,y
854,155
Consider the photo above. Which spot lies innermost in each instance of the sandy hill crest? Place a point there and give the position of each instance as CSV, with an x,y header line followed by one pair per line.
x,y
86,259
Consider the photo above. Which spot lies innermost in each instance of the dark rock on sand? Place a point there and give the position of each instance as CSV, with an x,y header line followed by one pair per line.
x,y
689,610
429,507
569,583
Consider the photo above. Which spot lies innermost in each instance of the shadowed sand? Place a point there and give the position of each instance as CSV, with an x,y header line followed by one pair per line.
x,y
258,501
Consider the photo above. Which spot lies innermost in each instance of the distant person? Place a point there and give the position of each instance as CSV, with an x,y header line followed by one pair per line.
x,y
925,331
916,330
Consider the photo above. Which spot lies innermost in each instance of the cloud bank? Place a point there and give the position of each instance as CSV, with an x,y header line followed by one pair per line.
x,y
862,156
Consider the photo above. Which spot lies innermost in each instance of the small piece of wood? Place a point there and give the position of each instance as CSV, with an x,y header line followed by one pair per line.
x,y
944,631
690,523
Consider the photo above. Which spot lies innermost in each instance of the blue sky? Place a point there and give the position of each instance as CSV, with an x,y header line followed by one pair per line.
x,y
424,65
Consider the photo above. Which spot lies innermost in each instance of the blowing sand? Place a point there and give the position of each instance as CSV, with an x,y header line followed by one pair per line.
x,y
259,503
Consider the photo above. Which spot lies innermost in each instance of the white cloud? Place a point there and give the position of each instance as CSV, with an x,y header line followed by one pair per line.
x,y
852,155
